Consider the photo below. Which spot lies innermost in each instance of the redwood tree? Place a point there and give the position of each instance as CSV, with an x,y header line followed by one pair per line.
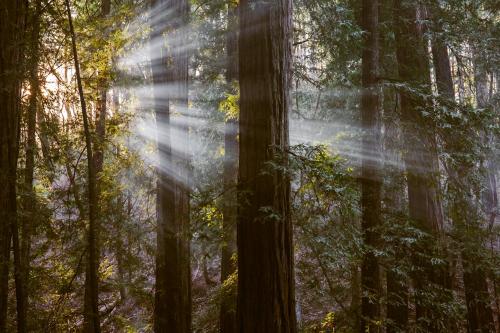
x,y
172,311
419,154
265,301
12,37
371,182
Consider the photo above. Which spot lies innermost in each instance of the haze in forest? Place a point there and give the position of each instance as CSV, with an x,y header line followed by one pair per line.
x,y
249,166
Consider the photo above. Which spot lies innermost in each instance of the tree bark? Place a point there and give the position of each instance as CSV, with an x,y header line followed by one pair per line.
x,y
420,156
91,299
172,311
12,37
228,323
371,182
265,300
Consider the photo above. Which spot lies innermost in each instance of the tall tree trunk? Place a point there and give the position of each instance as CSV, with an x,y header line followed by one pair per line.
x,y
91,299
29,201
420,157
477,297
97,159
264,228
397,284
172,311
12,28
228,323
479,314
371,183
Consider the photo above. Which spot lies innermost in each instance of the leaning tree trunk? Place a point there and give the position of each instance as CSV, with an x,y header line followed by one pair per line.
x,y
371,182
91,300
420,158
12,14
228,323
172,311
265,300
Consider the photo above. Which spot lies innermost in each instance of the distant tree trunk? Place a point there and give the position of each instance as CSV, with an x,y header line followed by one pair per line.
x,y
265,300
227,319
479,314
371,183
29,202
479,311
91,300
397,282
441,60
420,156
12,14
172,311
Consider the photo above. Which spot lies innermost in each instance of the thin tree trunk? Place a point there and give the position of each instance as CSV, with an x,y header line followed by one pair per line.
x,y
29,196
172,311
371,183
98,162
265,300
91,301
227,319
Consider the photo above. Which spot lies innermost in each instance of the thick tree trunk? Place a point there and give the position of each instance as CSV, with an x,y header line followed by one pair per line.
x,y
12,14
172,311
265,300
371,182
91,299
420,157
228,323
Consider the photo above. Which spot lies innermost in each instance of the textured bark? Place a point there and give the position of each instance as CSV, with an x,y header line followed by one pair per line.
x,y
371,182
265,300
172,311
12,14
91,299
419,155
227,318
